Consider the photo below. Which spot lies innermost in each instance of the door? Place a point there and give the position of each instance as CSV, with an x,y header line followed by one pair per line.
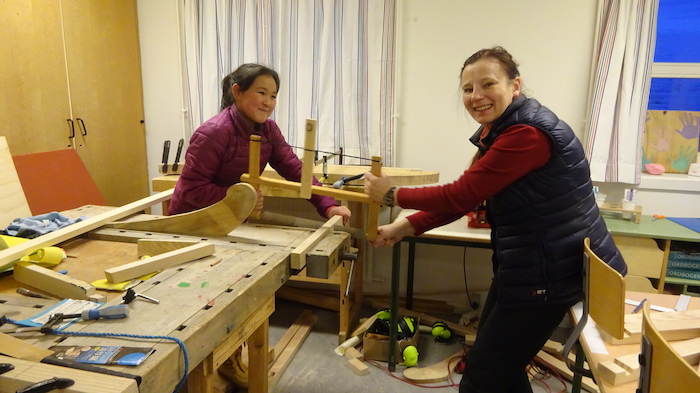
x,y
104,73
34,106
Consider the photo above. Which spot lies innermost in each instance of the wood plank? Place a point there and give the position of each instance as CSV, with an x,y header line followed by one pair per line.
x,y
287,354
298,255
342,195
151,247
307,169
216,220
28,372
626,368
12,199
52,282
159,262
562,369
79,228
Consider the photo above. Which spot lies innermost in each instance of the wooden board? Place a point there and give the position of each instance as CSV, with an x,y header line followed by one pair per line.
x,y
13,202
79,228
159,262
216,220
438,372
56,181
27,372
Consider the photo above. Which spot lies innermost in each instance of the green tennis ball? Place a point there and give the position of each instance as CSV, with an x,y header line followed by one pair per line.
x,y
410,356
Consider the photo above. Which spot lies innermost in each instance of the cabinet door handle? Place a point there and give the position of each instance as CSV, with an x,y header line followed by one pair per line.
x,y
81,123
71,126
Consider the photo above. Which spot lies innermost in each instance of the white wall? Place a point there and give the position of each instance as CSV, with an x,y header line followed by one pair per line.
x,y
551,39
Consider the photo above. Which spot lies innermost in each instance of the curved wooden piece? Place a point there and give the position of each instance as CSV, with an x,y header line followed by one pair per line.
x,y
218,219
438,372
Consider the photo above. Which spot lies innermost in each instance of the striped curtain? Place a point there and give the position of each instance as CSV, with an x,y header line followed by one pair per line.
x,y
335,59
625,38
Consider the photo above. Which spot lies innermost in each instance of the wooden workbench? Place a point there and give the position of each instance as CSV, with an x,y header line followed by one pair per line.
x,y
212,309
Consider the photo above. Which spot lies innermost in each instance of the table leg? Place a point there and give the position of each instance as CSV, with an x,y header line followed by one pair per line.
x,y
199,379
411,274
257,359
394,320
664,265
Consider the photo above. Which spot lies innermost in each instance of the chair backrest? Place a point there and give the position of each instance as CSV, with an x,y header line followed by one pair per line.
x,y
605,294
662,368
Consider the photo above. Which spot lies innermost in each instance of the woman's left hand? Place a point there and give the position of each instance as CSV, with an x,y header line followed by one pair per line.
x,y
342,211
376,186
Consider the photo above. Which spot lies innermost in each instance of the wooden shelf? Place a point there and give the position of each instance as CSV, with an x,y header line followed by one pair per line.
x,y
616,209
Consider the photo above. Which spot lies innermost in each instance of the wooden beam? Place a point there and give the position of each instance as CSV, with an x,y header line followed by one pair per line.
x,y
307,169
373,214
71,231
301,328
298,256
159,262
52,282
151,247
318,190
438,372
218,219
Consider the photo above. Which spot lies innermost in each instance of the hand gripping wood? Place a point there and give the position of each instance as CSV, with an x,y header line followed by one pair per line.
x,y
218,219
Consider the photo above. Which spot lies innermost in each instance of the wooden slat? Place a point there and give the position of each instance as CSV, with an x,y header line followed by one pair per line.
x,y
307,169
285,356
298,256
71,231
13,202
52,282
373,214
159,262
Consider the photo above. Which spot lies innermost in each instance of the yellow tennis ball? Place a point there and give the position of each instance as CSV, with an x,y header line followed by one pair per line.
x,y
410,356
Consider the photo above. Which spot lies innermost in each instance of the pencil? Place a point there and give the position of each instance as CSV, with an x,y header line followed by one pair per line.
x,y
215,262
639,306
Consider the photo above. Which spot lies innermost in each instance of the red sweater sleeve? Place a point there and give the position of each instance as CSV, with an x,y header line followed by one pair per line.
x,y
519,150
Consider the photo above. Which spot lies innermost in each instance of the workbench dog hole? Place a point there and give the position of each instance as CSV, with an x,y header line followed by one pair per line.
x,y
208,306
181,327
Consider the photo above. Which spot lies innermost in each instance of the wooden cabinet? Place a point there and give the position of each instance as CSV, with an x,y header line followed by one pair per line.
x,y
76,62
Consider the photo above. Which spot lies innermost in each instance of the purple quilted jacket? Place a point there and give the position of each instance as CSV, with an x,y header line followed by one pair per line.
x,y
217,156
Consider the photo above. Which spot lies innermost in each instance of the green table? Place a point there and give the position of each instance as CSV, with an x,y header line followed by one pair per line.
x,y
661,229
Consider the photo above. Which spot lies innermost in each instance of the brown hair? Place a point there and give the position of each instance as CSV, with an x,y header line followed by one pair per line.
x,y
498,53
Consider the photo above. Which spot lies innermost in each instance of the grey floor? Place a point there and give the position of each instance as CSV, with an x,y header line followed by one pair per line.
x,y
317,368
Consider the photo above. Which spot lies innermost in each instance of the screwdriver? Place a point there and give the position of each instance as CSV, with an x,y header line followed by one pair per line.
x,y
114,312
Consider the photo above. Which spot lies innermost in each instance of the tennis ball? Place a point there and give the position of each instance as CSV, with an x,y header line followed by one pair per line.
x,y
410,356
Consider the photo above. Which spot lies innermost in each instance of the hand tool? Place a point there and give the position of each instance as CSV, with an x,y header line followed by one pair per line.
x,y
131,295
27,292
115,312
166,152
47,385
344,180
657,216
5,367
178,153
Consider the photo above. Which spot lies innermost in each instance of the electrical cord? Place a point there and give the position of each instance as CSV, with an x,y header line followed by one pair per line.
x,y
177,340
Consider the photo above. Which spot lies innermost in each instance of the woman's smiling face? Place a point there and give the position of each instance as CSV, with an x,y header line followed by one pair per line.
x,y
487,91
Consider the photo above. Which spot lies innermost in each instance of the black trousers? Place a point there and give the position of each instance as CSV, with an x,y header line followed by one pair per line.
x,y
506,342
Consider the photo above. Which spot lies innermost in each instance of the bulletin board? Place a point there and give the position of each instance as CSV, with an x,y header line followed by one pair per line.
x,y
671,139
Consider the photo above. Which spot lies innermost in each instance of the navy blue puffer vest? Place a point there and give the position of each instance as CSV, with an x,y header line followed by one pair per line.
x,y
538,223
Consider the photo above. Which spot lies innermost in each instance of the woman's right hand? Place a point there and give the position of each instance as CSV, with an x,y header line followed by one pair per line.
x,y
390,234
257,210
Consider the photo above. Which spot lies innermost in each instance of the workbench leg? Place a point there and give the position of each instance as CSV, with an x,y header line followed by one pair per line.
x,y
257,359
200,379
345,302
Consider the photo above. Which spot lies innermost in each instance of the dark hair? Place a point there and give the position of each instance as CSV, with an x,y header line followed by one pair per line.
x,y
501,55
244,76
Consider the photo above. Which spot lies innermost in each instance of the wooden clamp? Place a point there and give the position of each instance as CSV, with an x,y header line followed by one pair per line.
x,y
298,256
302,188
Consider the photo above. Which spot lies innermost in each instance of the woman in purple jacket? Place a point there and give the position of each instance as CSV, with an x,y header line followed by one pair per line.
x,y
218,152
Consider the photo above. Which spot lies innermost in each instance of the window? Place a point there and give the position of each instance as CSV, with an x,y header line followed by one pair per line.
x,y
671,135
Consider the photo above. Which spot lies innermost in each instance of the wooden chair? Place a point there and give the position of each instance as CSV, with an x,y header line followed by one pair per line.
x,y
662,369
603,300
